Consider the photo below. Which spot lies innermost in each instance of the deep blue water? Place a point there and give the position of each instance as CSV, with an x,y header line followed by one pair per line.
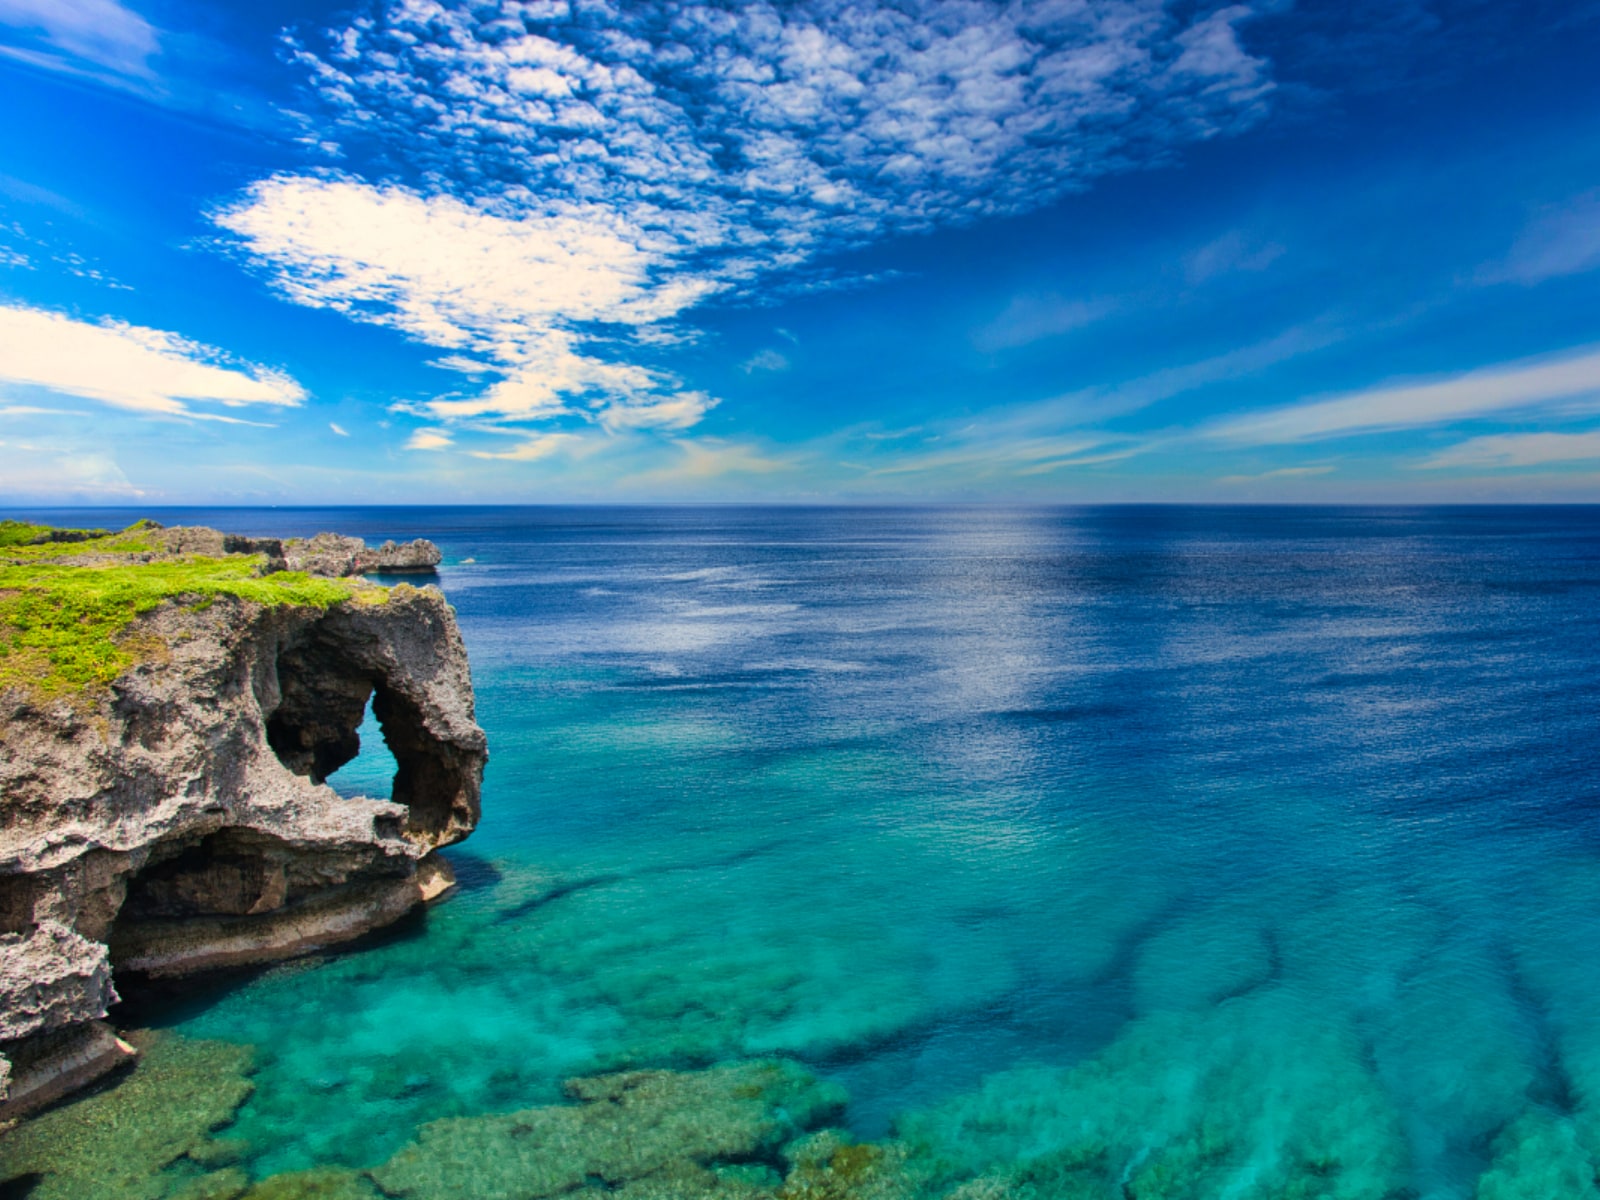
x,y
1026,825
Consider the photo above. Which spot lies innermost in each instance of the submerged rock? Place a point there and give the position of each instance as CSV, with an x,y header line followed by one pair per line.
x,y
829,1166
147,1138
1259,1098
650,1133
163,808
326,1184
1540,1157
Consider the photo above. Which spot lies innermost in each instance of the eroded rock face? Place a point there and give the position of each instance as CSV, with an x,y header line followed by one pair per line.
x,y
197,539
334,554
181,822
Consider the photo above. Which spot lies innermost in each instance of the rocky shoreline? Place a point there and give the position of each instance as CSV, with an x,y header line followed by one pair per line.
x,y
169,815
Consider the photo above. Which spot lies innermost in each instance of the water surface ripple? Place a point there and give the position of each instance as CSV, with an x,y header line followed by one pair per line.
x,y
1239,840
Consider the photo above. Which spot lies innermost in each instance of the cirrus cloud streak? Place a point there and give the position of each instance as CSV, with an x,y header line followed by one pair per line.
x,y
1475,394
1518,450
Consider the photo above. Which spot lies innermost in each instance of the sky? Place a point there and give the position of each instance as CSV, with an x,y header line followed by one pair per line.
x,y
525,251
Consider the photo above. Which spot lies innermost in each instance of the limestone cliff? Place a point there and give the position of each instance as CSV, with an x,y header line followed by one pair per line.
x,y
163,809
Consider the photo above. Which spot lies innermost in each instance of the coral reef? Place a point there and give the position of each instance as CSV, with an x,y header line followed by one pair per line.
x,y
1217,1103
145,1139
625,1129
739,1130
1539,1157
829,1166
171,702
313,1185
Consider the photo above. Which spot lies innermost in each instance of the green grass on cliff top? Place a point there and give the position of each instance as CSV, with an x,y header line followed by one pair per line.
x,y
66,627
22,533
21,541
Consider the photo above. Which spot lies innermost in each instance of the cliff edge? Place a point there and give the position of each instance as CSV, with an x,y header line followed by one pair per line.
x,y
171,703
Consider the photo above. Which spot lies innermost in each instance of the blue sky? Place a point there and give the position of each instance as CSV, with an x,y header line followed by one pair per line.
x,y
1048,250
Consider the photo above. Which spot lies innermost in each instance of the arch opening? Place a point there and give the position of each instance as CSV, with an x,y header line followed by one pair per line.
x,y
371,772
327,698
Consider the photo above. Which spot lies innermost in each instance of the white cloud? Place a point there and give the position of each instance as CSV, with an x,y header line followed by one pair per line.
x,y
99,32
446,273
710,458
1518,450
1098,403
547,376
579,178
1211,52
771,127
430,439
1279,473
53,473
226,420
462,363
764,360
1561,240
989,452
1081,460
510,292
668,412
339,429
109,43
1233,251
540,446
1029,318
54,250
130,366
1474,394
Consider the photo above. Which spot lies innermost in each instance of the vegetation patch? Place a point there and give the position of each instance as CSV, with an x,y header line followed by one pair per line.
x,y
66,627
22,541
22,533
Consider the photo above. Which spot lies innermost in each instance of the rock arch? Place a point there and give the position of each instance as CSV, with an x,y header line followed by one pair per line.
x,y
202,834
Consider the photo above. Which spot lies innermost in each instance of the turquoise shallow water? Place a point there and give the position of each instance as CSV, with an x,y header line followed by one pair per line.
x,y
1256,850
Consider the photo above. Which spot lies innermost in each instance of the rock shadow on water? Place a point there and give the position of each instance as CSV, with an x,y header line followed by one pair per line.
x,y
560,889
161,1002
557,891
473,872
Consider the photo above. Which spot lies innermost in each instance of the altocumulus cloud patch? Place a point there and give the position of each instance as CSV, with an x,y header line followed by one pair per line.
x,y
549,187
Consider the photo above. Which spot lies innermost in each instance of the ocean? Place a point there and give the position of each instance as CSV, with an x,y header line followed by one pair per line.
x,y
1232,851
